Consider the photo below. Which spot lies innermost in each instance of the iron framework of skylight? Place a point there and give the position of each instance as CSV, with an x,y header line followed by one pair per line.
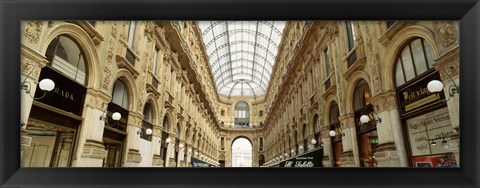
x,y
242,54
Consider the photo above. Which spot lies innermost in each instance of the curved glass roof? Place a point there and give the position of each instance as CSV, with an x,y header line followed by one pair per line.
x,y
241,54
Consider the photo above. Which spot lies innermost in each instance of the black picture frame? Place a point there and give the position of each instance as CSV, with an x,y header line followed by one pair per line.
x,y
12,12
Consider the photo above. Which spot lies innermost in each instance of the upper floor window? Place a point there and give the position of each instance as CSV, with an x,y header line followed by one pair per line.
x,y
242,113
131,33
327,63
66,57
260,113
350,35
154,63
120,94
415,58
222,112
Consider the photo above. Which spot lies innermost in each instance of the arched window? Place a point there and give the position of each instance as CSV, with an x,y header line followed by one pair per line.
x,y
304,137
337,147
165,124
163,146
242,114
147,122
366,132
295,138
66,57
415,58
120,94
316,127
361,96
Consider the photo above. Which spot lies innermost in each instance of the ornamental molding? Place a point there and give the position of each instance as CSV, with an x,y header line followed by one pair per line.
x,y
447,32
32,31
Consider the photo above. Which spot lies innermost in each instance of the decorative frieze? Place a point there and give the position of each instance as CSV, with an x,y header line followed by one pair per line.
x,y
447,32
32,31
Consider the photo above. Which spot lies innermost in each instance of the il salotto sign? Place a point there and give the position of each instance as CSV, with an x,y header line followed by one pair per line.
x,y
310,159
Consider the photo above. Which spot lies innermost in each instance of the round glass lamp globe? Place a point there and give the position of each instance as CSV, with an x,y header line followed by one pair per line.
x,y
46,84
435,86
301,147
332,133
149,131
168,140
116,116
364,119
313,141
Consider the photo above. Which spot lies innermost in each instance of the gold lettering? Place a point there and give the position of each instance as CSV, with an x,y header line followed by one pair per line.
x,y
63,93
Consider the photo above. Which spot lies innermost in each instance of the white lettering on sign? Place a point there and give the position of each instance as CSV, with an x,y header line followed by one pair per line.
x,y
304,164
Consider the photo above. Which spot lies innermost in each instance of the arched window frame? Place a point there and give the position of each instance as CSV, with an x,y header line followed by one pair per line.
x,y
411,58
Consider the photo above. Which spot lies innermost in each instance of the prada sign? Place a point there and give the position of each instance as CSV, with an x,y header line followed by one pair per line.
x,y
67,95
416,96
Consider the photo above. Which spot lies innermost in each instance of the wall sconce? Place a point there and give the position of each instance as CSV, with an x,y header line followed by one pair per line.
x,y
286,154
333,133
313,141
436,86
366,118
148,131
168,140
115,116
45,85
293,152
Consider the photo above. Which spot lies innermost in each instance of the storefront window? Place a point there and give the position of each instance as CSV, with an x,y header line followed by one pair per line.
x,y
49,138
115,131
366,132
432,140
337,147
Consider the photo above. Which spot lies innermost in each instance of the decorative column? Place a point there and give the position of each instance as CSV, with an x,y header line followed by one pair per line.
x,y
31,64
156,144
133,140
171,152
350,157
389,151
90,143
448,66
189,157
181,152
326,143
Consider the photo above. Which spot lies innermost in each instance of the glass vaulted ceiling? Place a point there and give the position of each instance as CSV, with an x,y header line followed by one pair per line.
x,y
242,54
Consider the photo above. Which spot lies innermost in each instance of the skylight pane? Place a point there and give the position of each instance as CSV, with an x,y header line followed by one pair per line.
x,y
245,46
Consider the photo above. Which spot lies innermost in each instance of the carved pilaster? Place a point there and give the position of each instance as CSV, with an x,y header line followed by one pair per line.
x,y
449,63
384,101
107,71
